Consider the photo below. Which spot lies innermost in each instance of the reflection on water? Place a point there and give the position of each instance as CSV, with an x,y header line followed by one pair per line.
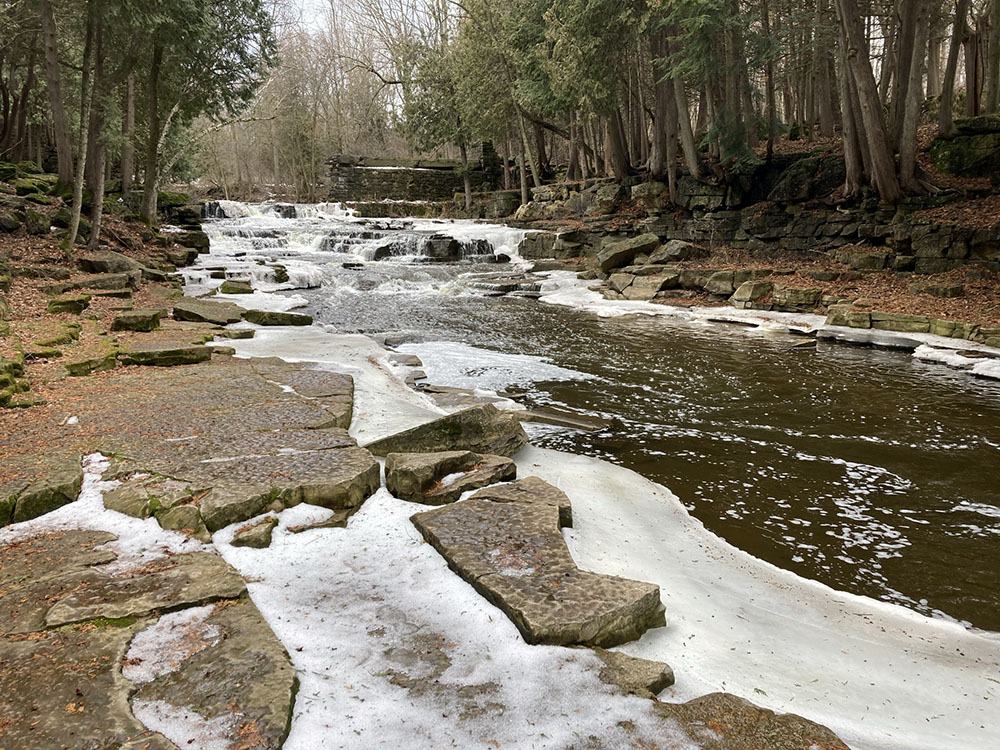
x,y
866,470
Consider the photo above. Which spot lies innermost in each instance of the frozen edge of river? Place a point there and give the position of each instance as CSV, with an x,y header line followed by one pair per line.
x,y
879,675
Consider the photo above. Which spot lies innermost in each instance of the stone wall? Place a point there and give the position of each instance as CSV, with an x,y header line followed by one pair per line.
x,y
782,206
355,178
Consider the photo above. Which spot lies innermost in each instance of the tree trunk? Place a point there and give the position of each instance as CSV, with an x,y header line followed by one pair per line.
x,y
466,178
99,97
535,174
574,164
658,144
973,80
903,55
883,168
85,98
128,136
152,144
618,148
772,117
946,123
993,61
53,85
853,160
523,172
688,145
914,99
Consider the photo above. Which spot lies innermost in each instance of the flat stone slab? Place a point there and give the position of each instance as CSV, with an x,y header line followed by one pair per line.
x,y
164,354
273,318
203,311
531,491
242,679
63,689
441,478
515,556
37,571
169,583
482,429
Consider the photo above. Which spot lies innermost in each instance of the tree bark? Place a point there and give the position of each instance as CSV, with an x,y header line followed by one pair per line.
x,y
466,179
128,135
946,123
882,168
772,116
85,100
853,160
152,144
992,100
903,55
914,99
53,85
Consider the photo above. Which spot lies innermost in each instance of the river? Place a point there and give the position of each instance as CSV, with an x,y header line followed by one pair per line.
x,y
864,469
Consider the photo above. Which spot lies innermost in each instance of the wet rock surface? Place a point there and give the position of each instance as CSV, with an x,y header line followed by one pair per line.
x,y
482,429
441,478
513,554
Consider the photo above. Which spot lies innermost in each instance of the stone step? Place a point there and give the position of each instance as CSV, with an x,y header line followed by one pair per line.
x,y
514,554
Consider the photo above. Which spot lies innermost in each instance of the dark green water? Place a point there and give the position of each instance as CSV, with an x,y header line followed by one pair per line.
x,y
863,469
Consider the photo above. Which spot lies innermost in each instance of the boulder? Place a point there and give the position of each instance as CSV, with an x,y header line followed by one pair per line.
x,y
108,262
621,253
441,478
531,491
272,318
652,195
231,286
69,303
185,518
900,322
750,292
138,320
608,198
938,290
675,251
36,223
974,152
645,288
481,429
58,486
240,677
809,178
720,283
796,298
634,676
256,535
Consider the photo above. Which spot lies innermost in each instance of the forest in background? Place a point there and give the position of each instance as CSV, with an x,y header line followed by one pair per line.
x,y
253,97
